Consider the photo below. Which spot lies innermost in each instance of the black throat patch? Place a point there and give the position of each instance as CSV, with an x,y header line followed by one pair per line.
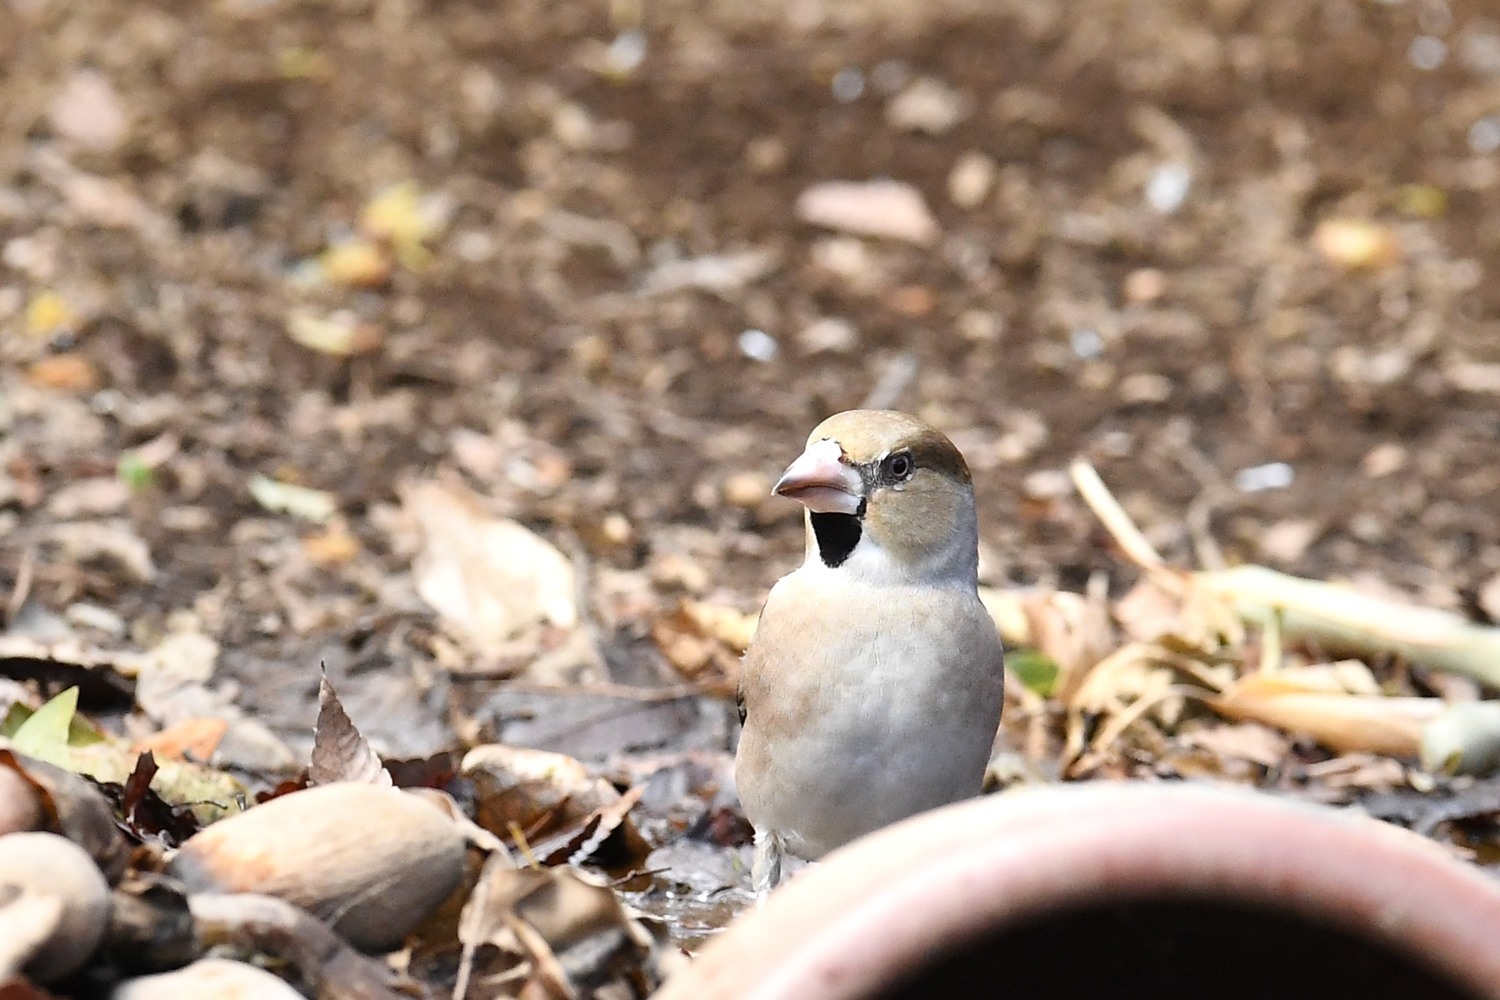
x,y
837,534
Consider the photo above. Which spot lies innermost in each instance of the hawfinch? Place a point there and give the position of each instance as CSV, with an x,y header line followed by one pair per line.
x,y
873,686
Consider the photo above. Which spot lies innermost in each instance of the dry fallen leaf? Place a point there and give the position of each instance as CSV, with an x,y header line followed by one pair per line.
x,y
172,684
721,274
554,933
340,752
1343,619
333,546
488,577
339,333
1249,741
289,498
535,792
1071,630
1338,720
356,263
195,739
1356,244
882,208
114,539
699,635
64,372
48,313
406,218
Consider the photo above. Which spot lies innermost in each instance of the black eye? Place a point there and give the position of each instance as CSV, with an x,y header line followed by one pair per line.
x,y
898,468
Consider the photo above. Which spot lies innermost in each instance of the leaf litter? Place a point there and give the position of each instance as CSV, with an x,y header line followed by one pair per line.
x,y
511,306
1119,688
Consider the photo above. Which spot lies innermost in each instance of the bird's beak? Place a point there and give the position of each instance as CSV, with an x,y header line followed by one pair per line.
x,y
822,481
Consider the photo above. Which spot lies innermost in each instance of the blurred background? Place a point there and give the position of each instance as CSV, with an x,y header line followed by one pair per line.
x,y
597,268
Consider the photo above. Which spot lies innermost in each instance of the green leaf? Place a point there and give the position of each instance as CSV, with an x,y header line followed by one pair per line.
x,y
1036,669
83,733
15,718
45,735
134,472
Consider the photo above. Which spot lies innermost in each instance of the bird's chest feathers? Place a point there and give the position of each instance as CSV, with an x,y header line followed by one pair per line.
x,y
858,655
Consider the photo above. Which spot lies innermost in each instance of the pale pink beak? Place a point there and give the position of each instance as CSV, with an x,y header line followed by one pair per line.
x,y
822,481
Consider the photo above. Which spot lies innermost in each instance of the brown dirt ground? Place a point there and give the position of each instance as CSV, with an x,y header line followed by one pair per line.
x,y
1059,314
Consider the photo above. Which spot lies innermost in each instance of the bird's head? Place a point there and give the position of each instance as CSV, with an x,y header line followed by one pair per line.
x,y
886,495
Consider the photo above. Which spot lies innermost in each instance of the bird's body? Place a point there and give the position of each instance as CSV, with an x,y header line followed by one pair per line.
x,y
873,687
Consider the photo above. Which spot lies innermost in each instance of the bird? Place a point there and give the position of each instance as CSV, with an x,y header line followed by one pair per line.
x,y
873,685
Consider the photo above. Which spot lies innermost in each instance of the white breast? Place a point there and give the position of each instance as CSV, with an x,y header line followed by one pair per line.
x,y
883,702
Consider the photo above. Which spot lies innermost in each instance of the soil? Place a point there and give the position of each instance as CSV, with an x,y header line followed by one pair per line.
x,y
1134,264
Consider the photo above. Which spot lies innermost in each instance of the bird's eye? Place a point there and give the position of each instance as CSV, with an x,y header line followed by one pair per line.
x,y
899,467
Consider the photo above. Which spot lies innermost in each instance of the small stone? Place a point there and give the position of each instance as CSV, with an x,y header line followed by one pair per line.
x,y
572,126
1384,367
1258,478
616,529
592,353
705,494
766,155
1427,52
758,345
1356,244
87,111
830,334
673,570
846,257
1145,387
970,180
1383,460
911,301
1484,135
474,245
927,105
746,489
1086,343
1168,187
979,326
626,53
1144,286
847,85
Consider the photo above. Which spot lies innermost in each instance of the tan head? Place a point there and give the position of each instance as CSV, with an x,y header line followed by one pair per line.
x,y
885,477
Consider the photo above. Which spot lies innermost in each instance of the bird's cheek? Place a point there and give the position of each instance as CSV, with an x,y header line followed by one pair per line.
x,y
907,528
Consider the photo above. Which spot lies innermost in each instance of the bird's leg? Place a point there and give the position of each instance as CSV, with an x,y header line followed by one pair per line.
x,y
765,873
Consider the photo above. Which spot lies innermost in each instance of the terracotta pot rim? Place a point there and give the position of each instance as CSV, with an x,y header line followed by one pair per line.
x,y
892,899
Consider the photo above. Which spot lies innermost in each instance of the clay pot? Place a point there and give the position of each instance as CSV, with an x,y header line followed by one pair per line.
x,y
1162,891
